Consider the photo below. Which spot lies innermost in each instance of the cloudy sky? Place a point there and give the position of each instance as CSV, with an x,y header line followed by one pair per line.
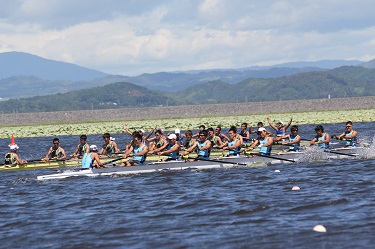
x,y
131,37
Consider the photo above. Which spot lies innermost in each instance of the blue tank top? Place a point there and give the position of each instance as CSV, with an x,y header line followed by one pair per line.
x,y
264,150
295,146
203,153
87,161
173,155
280,132
244,134
350,141
322,145
236,151
140,159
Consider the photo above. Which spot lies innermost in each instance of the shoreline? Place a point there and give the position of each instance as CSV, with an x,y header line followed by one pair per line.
x,y
149,113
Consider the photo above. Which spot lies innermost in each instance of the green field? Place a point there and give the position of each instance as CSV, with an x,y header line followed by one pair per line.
x,y
318,117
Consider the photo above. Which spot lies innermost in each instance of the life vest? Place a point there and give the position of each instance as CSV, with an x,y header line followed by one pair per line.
x,y
82,149
55,153
9,158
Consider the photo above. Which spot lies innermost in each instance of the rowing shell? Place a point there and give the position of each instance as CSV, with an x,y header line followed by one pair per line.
x,y
48,164
225,162
148,168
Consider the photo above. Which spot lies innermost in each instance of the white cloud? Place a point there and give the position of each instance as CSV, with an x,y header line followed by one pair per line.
x,y
132,37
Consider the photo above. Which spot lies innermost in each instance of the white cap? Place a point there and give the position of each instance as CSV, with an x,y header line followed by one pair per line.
x,y
112,138
281,122
142,131
172,136
177,131
261,129
93,147
14,147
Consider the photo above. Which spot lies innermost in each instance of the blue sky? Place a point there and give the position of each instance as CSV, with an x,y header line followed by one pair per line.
x,y
130,37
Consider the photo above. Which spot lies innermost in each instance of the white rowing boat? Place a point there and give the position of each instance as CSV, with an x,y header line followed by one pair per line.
x,y
225,162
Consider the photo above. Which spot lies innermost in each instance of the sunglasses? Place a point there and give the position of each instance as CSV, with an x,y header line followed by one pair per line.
x,y
348,126
294,130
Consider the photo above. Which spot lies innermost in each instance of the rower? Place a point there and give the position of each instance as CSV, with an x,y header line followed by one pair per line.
x,y
260,125
81,148
138,151
264,142
321,139
280,129
215,140
203,146
91,159
222,136
189,144
349,135
11,158
245,134
172,149
55,152
109,147
158,142
234,143
293,139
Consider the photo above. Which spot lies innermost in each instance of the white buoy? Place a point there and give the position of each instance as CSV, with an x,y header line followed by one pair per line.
x,y
277,171
296,188
320,229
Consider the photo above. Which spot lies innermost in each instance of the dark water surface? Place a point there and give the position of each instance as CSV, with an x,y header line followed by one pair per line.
x,y
233,208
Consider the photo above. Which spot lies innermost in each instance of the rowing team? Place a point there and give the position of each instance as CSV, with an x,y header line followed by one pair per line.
x,y
202,143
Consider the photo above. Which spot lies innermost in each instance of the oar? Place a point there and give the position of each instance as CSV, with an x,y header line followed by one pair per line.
x,y
339,153
114,160
275,157
216,161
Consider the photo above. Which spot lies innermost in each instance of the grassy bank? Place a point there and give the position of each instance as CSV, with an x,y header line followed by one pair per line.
x,y
169,124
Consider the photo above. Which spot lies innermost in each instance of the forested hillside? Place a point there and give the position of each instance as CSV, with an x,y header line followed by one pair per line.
x,y
347,81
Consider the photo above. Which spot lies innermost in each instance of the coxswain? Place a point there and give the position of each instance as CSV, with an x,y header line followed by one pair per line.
x,y
245,134
11,158
158,142
216,141
91,159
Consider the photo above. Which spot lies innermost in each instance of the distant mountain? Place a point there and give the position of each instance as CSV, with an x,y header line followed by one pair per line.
x,y
24,64
346,81
112,96
171,82
369,64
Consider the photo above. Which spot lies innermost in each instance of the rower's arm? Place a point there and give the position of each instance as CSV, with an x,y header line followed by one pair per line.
x,y
127,130
290,122
271,124
116,147
191,148
206,147
312,142
62,151
255,143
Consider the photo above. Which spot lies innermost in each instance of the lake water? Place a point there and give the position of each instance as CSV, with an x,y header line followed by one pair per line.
x,y
232,208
